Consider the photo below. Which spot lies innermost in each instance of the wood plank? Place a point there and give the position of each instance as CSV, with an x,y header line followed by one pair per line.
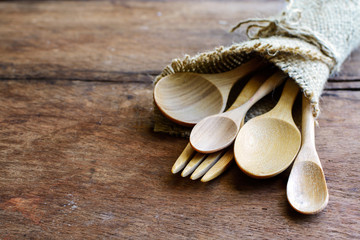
x,y
350,69
105,40
77,153
79,160
334,85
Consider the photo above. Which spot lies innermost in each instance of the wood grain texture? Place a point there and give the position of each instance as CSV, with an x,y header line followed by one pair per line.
x,y
107,40
79,160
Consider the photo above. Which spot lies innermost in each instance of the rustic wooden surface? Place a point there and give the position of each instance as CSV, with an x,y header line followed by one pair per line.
x,y
79,160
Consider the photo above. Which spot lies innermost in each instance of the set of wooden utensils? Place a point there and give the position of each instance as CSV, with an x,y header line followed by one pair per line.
x,y
262,147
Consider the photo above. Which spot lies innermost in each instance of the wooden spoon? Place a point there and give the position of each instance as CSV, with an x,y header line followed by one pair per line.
x,y
186,98
306,189
218,131
266,145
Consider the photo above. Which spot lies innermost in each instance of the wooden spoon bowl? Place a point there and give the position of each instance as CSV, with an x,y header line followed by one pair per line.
x,y
217,133
307,189
183,94
186,98
261,139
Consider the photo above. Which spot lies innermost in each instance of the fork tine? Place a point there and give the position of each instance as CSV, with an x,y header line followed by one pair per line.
x,y
220,166
183,159
194,163
206,165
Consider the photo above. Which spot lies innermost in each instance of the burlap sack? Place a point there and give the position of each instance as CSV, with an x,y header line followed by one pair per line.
x,y
309,41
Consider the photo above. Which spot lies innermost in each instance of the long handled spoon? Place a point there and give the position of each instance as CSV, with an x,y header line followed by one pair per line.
x,y
266,145
218,131
214,164
306,189
186,98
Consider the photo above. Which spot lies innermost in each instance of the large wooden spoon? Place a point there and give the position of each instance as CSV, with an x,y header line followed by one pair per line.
x,y
306,189
186,98
217,132
266,145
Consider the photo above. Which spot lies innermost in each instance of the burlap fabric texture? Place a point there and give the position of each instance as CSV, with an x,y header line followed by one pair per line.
x,y
309,41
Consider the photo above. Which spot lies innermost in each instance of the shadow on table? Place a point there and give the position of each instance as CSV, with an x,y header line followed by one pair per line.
x,y
246,184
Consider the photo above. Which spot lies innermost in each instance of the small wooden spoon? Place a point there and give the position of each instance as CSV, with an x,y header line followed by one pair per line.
x,y
186,98
266,145
306,189
216,132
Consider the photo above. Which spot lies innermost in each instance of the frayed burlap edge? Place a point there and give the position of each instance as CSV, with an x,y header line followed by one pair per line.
x,y
302,61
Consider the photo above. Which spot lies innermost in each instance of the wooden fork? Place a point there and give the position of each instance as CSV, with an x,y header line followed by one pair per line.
x,y
210,166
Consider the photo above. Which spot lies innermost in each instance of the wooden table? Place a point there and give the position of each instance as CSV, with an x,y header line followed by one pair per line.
x,y
79,159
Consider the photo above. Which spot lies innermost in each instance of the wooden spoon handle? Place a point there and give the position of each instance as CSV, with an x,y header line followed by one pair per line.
x,y
283,108
249,90
308,130
270,84
224,81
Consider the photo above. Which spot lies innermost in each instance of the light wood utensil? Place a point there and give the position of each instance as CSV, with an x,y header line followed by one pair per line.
x,y
306,189
266,145
210,166
186,98
217,132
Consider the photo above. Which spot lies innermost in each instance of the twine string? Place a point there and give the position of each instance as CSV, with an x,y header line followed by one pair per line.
x,y
288,24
